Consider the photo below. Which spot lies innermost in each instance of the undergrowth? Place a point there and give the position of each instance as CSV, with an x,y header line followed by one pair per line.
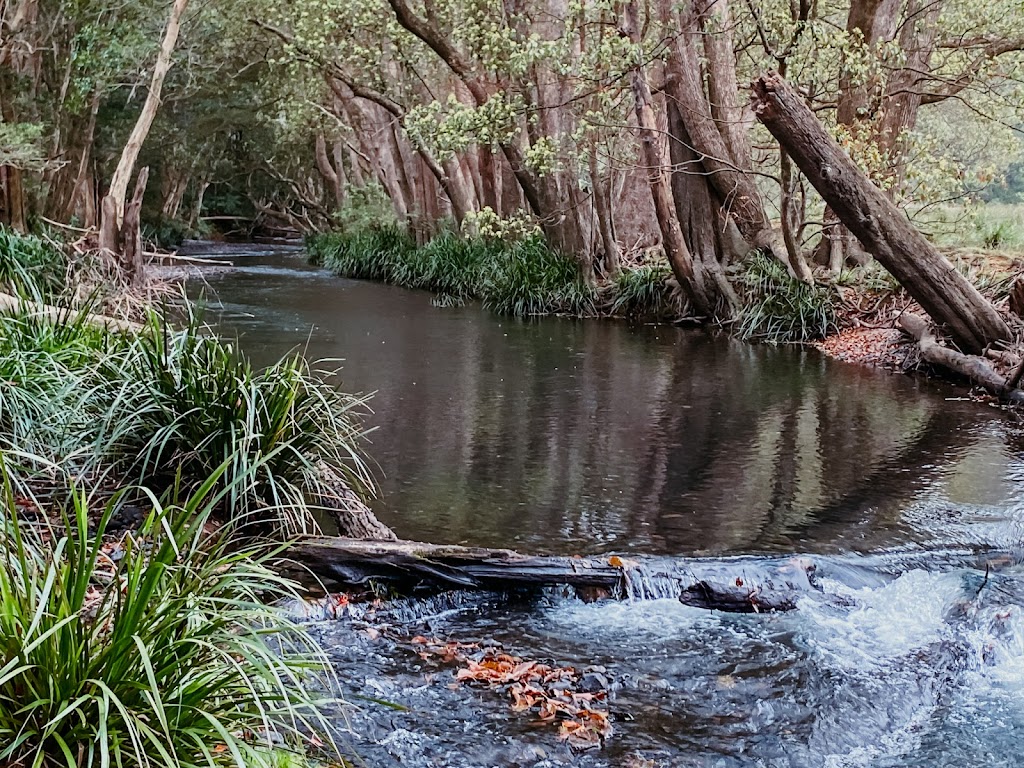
x,y
31,266
646,292
163,651
520,278
167,402
780,308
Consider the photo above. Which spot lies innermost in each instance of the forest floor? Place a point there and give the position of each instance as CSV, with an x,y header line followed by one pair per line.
x,y
868,314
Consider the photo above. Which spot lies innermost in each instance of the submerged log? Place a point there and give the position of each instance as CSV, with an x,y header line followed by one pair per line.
x,y
739,585
972,367
868,213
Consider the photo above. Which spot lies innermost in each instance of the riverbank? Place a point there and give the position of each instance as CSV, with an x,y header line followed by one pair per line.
x,y
149,468
852,317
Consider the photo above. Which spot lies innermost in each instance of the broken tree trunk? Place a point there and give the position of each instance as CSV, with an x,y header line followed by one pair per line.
x,y
112,208
884,230
736,586
975,368
131,231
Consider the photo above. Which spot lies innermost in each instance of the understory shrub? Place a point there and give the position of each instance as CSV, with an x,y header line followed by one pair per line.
x,y
148,408
185,402
30,266
780,308
646,292
160,651
521,278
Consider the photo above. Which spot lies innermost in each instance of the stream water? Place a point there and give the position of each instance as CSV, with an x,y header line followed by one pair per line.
x,y
559,436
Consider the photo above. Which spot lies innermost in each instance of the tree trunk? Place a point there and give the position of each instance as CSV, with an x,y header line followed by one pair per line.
x,y
699,212
653,155
12,199
605,218
734,586
972,367
723,87
131,232
327,169
126,165
866,210
737,190
196,209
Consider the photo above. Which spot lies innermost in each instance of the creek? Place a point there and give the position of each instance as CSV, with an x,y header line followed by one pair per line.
x,y
559,436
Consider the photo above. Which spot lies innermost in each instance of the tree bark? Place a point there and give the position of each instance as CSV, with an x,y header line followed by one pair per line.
x,y
131,232
866,210
736,586
733,186
653,153
723,86
972,367
126,165
327,170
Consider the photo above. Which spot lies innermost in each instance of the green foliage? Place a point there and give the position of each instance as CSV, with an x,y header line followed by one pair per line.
x,y
187,402
168,655
999,227
21,145
29,266
170,233
645,292
520,278
366,207
48,393
148,407
780,308
531,279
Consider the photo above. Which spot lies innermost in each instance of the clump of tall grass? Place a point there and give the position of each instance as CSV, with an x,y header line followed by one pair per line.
x,y
179,402
529,278
30,266
167,655
646,292
520,278
185,402
44,389
780,308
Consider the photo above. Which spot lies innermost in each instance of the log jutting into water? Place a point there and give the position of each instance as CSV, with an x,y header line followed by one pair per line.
x,y
975,368
734,585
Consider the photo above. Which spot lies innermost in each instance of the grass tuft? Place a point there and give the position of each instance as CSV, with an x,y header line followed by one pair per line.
x,y
166,654
780,308
522,278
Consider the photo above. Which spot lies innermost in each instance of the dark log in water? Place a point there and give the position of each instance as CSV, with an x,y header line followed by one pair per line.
x,y
736,586
973,367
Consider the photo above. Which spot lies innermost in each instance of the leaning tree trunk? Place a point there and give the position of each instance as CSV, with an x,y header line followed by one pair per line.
x,y
113,204
943,292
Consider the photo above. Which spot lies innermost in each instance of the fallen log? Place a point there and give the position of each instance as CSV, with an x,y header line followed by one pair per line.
x,y
735,585
946,295
972,367
10,303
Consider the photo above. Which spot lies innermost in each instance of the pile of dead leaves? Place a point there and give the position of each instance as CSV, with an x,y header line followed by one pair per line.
x,y
549,692
880,347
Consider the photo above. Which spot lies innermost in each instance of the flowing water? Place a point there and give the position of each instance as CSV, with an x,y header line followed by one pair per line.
x,y
559,436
